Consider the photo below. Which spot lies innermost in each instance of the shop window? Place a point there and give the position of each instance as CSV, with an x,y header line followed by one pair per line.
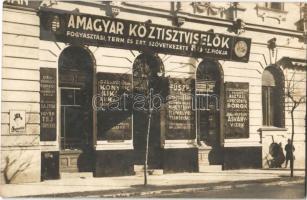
x,y
275,5
273,97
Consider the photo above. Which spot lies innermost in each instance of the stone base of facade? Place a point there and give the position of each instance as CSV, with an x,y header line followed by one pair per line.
x,y
20,166
180,160
113,163
242,157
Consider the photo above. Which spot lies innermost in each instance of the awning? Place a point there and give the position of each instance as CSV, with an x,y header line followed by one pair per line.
x,y
292,62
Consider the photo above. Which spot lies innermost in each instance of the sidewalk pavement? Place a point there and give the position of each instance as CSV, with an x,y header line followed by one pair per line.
x,y
126,186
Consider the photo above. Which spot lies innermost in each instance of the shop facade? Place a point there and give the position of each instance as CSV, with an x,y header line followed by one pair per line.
x,y
79,80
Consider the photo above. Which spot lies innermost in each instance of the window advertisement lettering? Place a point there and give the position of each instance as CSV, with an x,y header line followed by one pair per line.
x,y
236,110
180,113
48,97
114,114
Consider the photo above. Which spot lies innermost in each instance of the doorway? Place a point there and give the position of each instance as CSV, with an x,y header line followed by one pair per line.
x,y
209,87
147,69
76,91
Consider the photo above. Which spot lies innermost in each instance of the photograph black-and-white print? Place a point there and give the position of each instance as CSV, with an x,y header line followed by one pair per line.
x,y
153,99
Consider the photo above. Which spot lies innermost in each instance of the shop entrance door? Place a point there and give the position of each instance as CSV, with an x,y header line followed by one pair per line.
x,y
76,90
146,70
208,92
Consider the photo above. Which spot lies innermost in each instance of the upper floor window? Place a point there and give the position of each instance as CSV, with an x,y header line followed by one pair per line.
x,y
273,97
303,10
275,5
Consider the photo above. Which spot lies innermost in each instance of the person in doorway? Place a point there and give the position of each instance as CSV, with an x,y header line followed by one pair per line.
x,y
278,157
281,156
289,148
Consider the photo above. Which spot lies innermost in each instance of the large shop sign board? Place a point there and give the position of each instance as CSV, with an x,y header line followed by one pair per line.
x,y
48,104
77,28
236,110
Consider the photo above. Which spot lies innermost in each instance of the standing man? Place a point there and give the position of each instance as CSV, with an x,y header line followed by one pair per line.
x,y
289,153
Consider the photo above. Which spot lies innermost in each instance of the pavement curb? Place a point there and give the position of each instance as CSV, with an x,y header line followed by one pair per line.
x,y
181,190
151,190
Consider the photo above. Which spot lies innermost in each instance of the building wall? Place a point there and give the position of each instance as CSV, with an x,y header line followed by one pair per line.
x,y
24,53
20,152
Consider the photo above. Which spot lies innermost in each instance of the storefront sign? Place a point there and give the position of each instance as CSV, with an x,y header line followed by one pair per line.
x,y
48,104
113,111
236,110
17,2
205,86
206,97
23,3
57,25
17,121
180,115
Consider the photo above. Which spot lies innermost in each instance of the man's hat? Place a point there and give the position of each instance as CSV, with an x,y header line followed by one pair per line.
x,y
17,115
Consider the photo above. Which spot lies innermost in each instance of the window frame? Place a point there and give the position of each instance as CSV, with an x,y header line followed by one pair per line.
x,y
273,98
267,105
268,5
